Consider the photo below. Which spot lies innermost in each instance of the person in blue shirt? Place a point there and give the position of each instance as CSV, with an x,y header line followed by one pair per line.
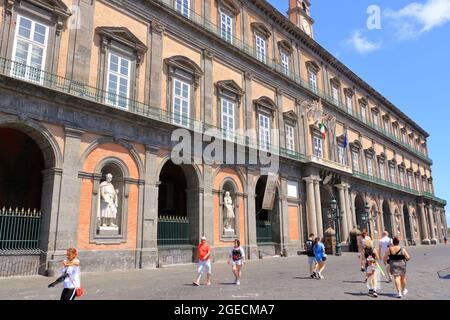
x,y
321,257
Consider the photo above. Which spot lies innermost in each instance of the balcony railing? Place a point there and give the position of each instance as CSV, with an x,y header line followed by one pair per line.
x,y
273,64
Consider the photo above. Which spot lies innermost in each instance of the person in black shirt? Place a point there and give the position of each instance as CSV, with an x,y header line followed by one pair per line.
x,y
309,245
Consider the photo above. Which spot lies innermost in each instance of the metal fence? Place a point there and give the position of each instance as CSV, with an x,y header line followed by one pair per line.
x,y
173,231
263,231
19,230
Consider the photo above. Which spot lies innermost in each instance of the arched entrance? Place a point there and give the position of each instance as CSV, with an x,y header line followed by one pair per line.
x,y
409,236
178,213
387,218
25,196
267,220
326,196
360,211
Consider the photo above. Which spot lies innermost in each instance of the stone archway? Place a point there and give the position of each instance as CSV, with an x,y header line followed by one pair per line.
x,y
387,217
360,211
29,179
408,235
268,232
178,213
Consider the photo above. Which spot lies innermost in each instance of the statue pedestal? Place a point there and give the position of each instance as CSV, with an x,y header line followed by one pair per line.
x,y
229,233
108,231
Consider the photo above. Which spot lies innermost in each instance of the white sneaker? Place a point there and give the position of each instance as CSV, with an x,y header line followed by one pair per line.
x,y
399,295
238,282
405,292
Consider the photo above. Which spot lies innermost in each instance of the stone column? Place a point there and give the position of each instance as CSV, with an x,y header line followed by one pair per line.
x,y
207,9
411,227
156,65
80,42
402,220
281,124
148,245
351,209
208,87
284,216
248,104
343,209
69,200
431,222
318,207
423,223
310,206
208,201
250,217
438,225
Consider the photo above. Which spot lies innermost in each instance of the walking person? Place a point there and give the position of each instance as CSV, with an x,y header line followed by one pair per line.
x,y
373,275
445,239
309,245
320,257
70,275
397,256
204,262
237,259
383,247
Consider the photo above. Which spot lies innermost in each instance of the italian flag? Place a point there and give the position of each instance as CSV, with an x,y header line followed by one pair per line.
x,y
323,130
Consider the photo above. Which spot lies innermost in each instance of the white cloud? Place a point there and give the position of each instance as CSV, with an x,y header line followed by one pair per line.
x,y
361,44
417,18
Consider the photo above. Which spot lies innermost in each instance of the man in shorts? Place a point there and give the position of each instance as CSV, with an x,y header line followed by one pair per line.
x,y
309,245
384,245
204,262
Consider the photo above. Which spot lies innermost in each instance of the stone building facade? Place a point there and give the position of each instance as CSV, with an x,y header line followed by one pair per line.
x,y
91,87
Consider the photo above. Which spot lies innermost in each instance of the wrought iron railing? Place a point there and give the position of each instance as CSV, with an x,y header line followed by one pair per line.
x,y
173,230
263,231
19,230
273,64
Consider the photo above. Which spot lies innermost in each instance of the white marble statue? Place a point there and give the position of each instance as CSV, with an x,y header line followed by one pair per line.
x,y
108,203
228,212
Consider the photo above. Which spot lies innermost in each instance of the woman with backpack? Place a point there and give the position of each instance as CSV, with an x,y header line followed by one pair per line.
x,y
237,259
320,256
397,256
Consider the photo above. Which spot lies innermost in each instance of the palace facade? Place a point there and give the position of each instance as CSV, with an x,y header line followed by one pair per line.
x,y
90,87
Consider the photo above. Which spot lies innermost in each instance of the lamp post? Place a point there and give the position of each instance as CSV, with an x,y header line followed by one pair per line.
x,y
333,215
366,217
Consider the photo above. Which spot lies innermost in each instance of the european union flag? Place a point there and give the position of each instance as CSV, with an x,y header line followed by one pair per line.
x,y
345,140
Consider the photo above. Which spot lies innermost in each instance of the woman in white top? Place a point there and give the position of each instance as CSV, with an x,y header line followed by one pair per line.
x,y
237,258
71,271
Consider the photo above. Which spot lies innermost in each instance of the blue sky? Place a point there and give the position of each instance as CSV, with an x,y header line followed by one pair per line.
x,y
407,61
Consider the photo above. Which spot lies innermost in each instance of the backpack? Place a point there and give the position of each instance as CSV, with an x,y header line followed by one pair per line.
x,y
310,248
236,254
368,252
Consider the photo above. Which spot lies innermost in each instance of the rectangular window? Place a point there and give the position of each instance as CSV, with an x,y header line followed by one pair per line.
x,y
228,119
264,132
392,171
375,120
292,189
410,181
382,174
335,93
312,80
30,46
182,6
404,137
118,82
181,102
290,138
363,114
418,183
386,125
318,147
349,104
341,154
402,178
355,160
424,186
260,49
369,167
285,63
226,27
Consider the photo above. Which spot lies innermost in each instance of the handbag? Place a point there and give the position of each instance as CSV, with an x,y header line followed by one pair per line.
x,y
79,292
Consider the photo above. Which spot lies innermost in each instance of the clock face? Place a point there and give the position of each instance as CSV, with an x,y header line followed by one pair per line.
x,y
306,26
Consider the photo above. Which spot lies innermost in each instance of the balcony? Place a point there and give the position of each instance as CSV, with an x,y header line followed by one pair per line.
x,y
384,183
272,64
330,164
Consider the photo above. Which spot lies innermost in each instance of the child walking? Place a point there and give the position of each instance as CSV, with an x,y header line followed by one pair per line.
x,y
373,275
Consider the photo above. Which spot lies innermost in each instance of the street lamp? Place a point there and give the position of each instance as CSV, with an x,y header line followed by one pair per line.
x,y
366,217
333,215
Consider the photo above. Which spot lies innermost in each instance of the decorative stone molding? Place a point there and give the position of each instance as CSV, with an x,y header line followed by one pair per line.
x,y
349,92
313,66
185,65
230,89
285,46
158,27
265,103
335,81
290,116
261,28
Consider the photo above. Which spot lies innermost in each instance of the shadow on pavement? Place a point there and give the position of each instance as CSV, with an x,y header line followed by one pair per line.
x,y
304,278
359,281
359,294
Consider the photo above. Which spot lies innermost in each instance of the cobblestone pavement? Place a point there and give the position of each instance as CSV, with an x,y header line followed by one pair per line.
x,y
271,278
